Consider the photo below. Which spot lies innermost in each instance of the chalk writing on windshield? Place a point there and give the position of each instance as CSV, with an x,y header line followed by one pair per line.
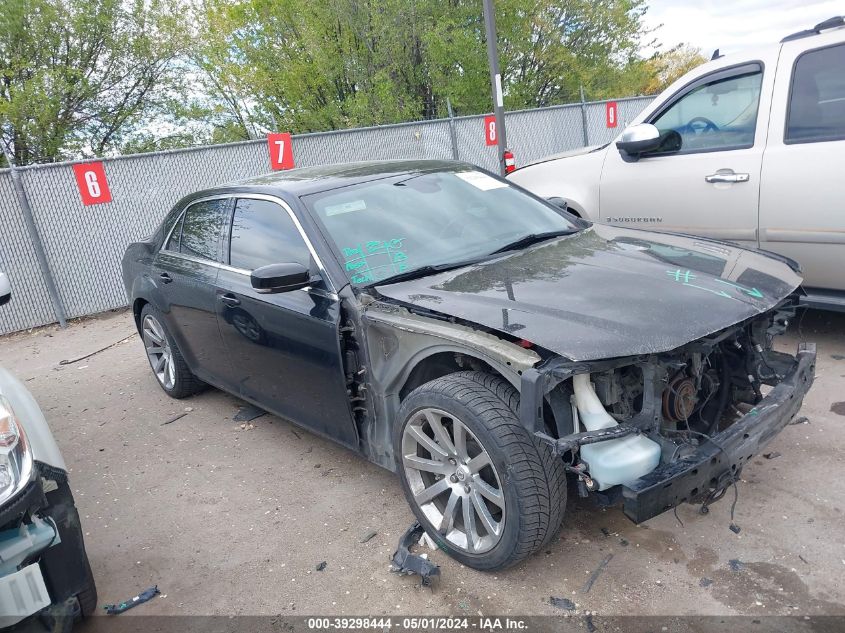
x,y
375,260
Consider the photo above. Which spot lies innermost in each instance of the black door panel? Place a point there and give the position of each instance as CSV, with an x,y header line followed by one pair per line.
x,y
189,311
186,273
285,351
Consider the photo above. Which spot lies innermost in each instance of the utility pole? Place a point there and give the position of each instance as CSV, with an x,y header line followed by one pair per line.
x,y
495,81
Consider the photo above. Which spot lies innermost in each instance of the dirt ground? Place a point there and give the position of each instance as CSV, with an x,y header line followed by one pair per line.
x,y
234,520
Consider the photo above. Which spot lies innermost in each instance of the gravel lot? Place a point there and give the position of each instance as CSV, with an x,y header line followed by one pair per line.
x,y
228,519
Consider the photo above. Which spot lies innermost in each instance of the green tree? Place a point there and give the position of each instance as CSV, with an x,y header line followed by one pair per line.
x,y
664,68
305,65
79,77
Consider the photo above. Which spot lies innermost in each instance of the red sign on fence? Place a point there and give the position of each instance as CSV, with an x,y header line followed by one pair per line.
x,y
92,183
611,114
490,135
281,151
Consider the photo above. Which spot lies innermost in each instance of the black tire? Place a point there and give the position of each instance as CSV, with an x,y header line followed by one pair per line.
x,y
185,383
533,479
88,596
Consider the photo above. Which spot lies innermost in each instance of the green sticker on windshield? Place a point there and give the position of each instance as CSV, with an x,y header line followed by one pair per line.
x,y
374,260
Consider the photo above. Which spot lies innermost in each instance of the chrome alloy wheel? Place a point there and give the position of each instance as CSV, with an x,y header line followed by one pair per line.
x,y
159,352
453,480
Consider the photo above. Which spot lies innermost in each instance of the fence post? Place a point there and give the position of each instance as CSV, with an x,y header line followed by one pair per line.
x,y
584,118
452,133
37,244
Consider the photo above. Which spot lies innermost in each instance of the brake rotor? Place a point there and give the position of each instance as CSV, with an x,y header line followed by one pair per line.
x,y
679,399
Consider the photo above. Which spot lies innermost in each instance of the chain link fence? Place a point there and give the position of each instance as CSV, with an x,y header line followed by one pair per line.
x,y
84,244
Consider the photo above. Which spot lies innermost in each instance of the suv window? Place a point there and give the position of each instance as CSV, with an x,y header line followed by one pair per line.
x,y
263,233
817,97
716,115
201,228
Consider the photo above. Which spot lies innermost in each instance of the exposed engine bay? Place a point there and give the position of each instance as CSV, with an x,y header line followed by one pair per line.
x,y
618,423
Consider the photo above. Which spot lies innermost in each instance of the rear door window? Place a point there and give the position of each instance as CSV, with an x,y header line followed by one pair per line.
x,y
175,235
201,228
817,97
263,233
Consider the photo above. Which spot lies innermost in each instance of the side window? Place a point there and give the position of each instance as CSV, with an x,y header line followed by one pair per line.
x,y
817,97
716,115
263,233
175,235
201,228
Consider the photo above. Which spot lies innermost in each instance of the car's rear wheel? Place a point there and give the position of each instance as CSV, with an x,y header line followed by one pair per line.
x,y
485,490
166,360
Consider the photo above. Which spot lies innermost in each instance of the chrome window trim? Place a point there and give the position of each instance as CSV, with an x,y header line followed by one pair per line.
x,y
331,293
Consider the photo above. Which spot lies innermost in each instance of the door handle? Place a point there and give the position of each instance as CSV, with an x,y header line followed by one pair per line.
x,y
230,300
727,176
165,278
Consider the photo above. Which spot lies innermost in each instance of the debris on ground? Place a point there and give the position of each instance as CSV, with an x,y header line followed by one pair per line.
x,y
598,570
406,563
736,564
144,596
705,582
800,420
803,560
296,435
247,426
76,360
733,527
247,413
605,531
321,565
178,416
562,603
623,542
368,535
771,455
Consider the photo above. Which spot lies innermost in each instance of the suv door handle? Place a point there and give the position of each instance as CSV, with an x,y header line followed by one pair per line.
x,y
230,300
727,176
165,278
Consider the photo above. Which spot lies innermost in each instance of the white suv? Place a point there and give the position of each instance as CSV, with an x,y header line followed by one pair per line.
x,y
746,148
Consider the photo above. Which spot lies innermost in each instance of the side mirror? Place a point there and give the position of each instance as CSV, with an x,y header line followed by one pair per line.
x,y
5,289
280,277
640,138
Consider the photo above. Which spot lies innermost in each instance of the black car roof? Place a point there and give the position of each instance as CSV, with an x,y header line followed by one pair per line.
x,y
307,180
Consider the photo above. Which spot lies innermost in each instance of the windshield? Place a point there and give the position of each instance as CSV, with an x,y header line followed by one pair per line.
x,y
388,227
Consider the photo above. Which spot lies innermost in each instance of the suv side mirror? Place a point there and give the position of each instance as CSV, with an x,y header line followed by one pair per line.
x,y
640,138
5,289
281,277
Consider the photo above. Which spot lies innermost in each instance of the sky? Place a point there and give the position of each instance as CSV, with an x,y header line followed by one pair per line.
x,y
732,25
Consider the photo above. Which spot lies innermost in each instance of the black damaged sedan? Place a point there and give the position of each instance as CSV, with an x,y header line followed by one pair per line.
x,y
476,340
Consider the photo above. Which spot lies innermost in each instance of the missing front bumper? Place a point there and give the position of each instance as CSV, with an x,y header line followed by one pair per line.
x,y
717,463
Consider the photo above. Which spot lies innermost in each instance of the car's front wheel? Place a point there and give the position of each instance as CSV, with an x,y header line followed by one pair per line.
x,y
166,360
484,488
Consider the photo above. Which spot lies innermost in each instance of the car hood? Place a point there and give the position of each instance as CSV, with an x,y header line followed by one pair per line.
x,y
567,154
608,292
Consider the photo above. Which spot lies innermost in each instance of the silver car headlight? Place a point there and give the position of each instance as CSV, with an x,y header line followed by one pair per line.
x,y
15,454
